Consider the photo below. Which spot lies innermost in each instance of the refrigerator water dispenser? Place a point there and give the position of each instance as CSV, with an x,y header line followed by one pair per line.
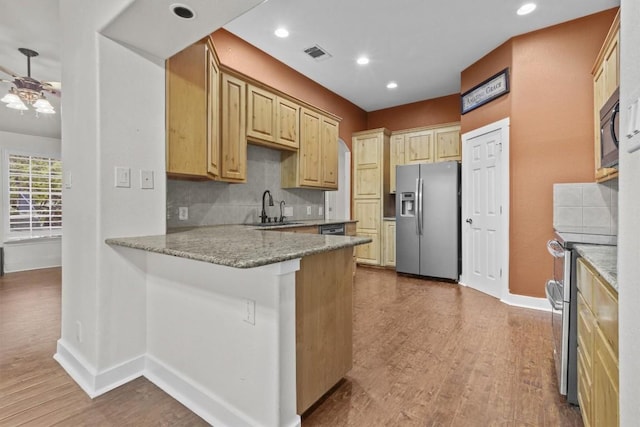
x,y
408,204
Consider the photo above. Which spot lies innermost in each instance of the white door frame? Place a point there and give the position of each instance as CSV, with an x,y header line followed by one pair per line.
x,y
337,204
503,127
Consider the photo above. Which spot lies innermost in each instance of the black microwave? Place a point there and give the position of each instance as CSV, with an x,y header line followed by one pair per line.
x,y
609,131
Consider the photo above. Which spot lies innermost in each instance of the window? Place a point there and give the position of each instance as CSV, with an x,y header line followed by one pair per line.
x,y
35,196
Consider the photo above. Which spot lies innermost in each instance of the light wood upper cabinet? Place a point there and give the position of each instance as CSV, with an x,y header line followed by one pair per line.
x,y
329,141
447,144
261,114
423,145
288,123
233,161
419,147
606,78
192,107
315,164
598,369
272,120
396,157
367,166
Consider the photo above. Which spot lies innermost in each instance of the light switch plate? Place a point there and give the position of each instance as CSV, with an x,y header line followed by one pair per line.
x,y
146,180
68,180
123,177
183,213
288,211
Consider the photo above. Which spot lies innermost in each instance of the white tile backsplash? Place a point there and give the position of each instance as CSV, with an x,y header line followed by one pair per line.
x,y
590,208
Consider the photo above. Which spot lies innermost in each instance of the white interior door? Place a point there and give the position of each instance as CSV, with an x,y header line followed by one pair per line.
x,y
485,237
338,203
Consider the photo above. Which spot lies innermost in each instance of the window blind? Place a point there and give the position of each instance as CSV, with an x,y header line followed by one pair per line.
x,y
35,196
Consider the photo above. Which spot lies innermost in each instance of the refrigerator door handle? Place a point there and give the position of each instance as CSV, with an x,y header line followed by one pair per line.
x,y
417,207
420,206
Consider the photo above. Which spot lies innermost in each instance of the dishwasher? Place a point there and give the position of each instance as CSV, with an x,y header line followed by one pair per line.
x,y
334,229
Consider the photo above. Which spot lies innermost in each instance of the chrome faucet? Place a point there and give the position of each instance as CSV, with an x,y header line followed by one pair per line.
x,y
281,211
263,215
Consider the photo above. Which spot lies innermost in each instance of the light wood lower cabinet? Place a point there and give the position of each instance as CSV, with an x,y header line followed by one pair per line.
x,y
598,371
367,211
324,343
389,249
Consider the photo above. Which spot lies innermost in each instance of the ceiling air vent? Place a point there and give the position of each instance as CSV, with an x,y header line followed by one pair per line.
x,y
317,53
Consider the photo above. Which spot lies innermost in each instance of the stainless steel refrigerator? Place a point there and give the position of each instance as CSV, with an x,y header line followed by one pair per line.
x,y
428,220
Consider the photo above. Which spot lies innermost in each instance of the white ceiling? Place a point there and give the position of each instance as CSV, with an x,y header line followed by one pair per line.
x,y
421,44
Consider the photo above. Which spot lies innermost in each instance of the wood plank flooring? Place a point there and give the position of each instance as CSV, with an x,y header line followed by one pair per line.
x,y
425,354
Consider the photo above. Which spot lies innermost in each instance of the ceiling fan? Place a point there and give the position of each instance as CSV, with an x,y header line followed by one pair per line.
x,y
27,90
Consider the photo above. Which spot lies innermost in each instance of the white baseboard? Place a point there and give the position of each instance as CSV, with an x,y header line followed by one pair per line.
x,y
527,302
210,408
96,383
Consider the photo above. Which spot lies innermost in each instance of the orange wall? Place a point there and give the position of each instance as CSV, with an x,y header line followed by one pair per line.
x,y
551,135
241,56
424,113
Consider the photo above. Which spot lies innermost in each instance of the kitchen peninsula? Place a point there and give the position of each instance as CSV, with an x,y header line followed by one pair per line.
x,y
245,326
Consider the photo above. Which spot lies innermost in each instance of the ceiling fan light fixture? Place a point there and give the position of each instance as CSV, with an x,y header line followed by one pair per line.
x,y
43,103
45,110
17,106
10,98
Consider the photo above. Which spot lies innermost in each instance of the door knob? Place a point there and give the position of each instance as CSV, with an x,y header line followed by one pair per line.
x,y
469,221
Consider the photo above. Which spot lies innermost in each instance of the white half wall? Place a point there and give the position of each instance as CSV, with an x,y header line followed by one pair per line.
x,y
628,225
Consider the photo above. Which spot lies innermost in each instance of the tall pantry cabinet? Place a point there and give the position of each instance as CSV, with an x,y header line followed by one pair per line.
x,y
370,190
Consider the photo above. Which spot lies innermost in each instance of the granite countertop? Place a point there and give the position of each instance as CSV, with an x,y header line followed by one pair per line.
x,y
239,246
604,259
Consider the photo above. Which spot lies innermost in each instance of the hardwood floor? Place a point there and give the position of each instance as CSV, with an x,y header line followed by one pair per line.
x,y
425,354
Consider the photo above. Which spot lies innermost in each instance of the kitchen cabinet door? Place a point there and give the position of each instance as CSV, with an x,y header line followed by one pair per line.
x,y
329,145
605,384
213,115
606,78
192,124
389,247
233,155
370,252
261,114
367,212
447,144
367,157
396,157
310,151
288,123
419,147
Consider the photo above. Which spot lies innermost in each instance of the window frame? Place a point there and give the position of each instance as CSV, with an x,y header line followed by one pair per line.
x,y
13,236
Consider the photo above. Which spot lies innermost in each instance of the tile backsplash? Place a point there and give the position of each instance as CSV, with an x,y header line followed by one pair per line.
x,y
214,203
589,208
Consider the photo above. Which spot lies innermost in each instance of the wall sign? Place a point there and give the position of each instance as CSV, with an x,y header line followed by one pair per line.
x,y
490,89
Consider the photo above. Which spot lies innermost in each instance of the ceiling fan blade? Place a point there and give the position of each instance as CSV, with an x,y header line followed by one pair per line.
x,y
9,72
52,87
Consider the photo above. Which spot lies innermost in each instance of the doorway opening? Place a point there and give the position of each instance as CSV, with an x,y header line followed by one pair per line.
x,y
338,203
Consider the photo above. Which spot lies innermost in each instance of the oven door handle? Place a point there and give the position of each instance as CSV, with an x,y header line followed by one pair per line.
x,y
552,292
555,248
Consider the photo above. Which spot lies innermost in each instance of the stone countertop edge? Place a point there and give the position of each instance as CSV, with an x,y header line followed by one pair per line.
x,y
238,246
604,259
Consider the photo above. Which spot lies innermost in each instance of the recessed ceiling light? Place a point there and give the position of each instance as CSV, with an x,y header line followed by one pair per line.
x,y
182,11
281,32
392,85
363,60
526,8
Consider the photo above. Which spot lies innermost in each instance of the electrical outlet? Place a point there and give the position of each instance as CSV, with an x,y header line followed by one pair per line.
x,y
250,311
320,211
308,210
183,213
288,211
146,180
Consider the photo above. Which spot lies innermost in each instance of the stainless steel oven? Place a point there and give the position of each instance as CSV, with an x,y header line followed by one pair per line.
x,y
561,292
